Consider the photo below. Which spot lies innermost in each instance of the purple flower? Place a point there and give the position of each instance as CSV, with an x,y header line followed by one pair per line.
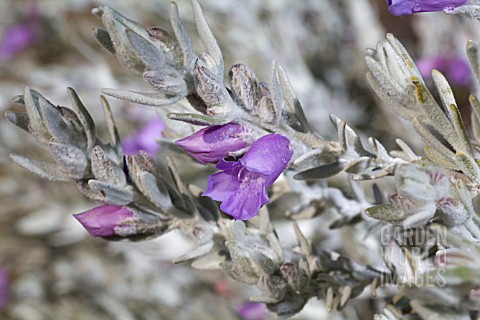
x,y
104,221
402,7
252,311
214,143
144,139
20,36
456,69
4,284
15,39
242,185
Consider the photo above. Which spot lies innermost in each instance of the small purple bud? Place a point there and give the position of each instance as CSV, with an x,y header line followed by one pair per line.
x,y
4,285
403,7
242,185
104,220
252,311
144,139
214,143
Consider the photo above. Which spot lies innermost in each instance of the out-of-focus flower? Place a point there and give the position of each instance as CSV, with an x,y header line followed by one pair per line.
x,y
4,284
252,311
20,36
402,7
144,139
456,69
242,185
104,221
214,143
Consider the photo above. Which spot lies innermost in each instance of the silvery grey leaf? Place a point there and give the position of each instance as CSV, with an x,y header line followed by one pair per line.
x,y
468,166
197,119
198,252
112,127
262,263
241,268
292,108
151,56
322,172
84,117
155,191
70,158
183,38
20,119
358,165
379,150
167,81
407,150
43,169
117,25
60,130
35,125
276,93
386,212
206,60
103,38
430,139
439,158
434,113
474,57
147,98
208,38
212,260
180,185
304,244
112,194
85,189
104,169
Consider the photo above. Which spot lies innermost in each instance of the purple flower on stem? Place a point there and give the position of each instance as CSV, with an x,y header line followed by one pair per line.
x,y
144,139
4,284
242,185
456,69
214,143
403,7
252,311
103,221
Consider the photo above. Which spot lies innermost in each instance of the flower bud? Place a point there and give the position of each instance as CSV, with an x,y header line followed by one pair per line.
x,y
214,143
104,221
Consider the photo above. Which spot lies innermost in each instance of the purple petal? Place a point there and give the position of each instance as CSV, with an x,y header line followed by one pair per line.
x,y
248,197
456,69
268,155
458,72
15,39
252,311
225,165
102,221
145,139
222,184
4,285
402,7
213,143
